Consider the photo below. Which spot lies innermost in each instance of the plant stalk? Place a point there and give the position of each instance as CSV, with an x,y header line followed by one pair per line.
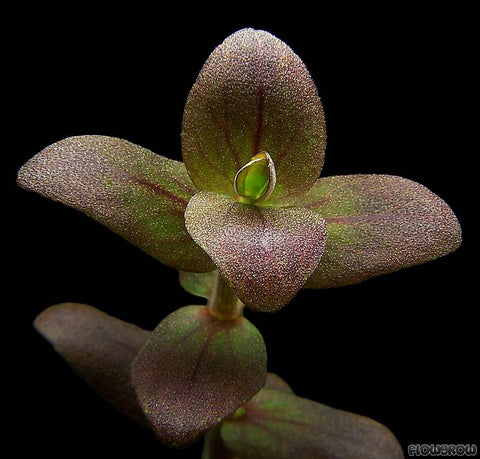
x,y
223,303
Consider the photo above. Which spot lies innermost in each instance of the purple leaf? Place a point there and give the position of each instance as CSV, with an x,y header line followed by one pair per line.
x,y
378,224
100,348
137,194
279,425
266,254
253,94
196,370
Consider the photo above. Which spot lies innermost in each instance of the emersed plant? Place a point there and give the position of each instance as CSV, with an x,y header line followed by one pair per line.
x,y
247,222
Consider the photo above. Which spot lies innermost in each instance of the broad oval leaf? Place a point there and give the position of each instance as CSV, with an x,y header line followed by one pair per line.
x,y
100,348
136,193
378,224
280,425
196,370
253,94
266,254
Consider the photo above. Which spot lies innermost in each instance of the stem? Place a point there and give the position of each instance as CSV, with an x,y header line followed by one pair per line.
x,y
223,303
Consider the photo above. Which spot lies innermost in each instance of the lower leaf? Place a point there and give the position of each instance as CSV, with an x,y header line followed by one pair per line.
x,y
196,370
279,425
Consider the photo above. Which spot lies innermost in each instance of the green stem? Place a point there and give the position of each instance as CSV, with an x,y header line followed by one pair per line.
x,y
223,303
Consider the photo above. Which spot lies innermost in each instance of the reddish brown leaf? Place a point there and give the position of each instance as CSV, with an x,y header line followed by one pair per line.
x,y
378,224
253,94
196,370
279,425
100,348
137,194
266,254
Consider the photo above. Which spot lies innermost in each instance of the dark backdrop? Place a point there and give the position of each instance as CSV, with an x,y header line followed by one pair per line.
x,y
399,349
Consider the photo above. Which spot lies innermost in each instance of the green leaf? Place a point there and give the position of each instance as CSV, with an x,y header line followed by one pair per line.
x,y
280,425
137,194
198,284
253,94
266,254
196,370
378,224
100,348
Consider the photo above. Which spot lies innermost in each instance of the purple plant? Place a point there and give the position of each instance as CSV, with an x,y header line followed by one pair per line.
x,y
247,222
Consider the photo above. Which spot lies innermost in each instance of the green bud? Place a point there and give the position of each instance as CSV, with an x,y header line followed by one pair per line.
x,y
255,181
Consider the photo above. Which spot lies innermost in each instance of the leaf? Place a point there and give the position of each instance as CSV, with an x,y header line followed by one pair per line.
x,y
198,284
214,448
378,224
196,370
137,194
253,94
265,254
275,382
280,425
100,348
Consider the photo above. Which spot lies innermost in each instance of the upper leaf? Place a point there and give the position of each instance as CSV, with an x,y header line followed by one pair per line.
x,y
253,94
378,224
280,425
196,370
136,193
266,254
100,348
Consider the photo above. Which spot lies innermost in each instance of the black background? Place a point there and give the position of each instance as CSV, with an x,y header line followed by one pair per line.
x,y
394,84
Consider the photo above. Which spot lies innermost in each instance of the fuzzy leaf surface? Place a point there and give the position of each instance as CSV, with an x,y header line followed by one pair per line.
x,y
253,94
280,425
378,224
266,254
100,348
196,370
137,194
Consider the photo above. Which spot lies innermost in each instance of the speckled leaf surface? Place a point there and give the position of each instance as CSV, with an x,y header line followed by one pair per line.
x,y
280,425
265,254
136,193
253,94
195,370
100,348
378,224
198,284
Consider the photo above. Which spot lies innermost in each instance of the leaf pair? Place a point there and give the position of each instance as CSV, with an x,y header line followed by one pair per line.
x,y
274,424
179,380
